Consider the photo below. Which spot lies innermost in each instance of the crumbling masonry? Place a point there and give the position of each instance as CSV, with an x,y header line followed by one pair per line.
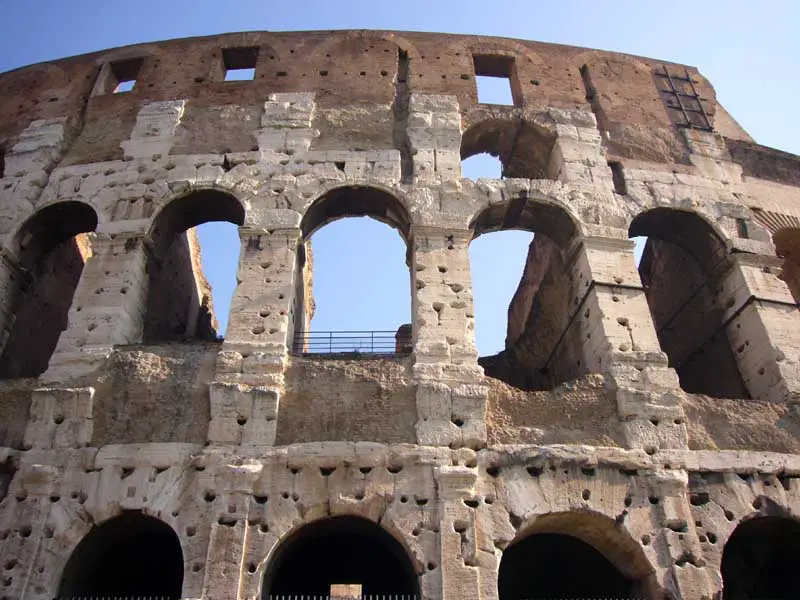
x,y
638,437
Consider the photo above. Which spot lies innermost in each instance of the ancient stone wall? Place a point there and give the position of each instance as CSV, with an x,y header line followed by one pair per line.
x,y
636,436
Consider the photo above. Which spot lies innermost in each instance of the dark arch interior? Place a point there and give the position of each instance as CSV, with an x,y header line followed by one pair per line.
x,y
132,555
523,148
176,311
543,346
680,270
553,565
762,560
340,550
787,246
51,253
356,201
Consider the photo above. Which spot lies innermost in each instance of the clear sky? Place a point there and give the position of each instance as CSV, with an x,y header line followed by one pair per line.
x,y
749,50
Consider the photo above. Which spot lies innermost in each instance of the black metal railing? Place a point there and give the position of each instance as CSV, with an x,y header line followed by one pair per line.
x,y
350,342
101,597
363,597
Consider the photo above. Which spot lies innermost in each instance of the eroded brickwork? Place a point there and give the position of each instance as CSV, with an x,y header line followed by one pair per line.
x,y
640,429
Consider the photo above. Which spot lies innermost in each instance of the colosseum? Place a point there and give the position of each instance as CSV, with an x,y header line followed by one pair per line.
x,y
637,438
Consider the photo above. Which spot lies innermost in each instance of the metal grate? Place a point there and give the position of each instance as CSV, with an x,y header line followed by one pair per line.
x,y
684,103
350,342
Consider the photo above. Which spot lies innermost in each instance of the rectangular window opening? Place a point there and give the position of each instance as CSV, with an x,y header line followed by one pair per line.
x,y
495,78
123,75
239,64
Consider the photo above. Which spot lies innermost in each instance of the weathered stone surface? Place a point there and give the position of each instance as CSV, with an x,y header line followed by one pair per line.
x,y
650,413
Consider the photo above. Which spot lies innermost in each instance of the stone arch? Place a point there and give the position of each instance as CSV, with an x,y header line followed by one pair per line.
x,y
682,270
760,559
47,254
344,549
129,555
178,304
336,203
357,201
574,554
540,351
522,145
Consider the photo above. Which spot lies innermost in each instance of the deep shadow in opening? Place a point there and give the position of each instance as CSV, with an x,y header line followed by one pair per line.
x,y
680,270
761,560
523,148
554,565
179,304
131,555
543,345
340,550
787,246
51,250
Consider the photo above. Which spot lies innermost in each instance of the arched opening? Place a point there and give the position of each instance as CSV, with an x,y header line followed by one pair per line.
x,y
787,246
179,304
51,249
359,274
482,165
681,269
761,560
523,148
340,550
574,555
132,555
540,348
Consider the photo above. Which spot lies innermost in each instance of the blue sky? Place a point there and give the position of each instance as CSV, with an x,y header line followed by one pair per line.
x,y
749,50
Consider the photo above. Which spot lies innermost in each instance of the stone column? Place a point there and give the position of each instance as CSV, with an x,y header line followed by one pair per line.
x,y
763,325
258,335
457,527
108,307
451,399
249,381
615,331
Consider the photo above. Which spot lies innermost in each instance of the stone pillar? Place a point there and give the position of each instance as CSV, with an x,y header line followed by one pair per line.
x,y
249,382
108,307
618,338
457,531
258,335
763,325
451,398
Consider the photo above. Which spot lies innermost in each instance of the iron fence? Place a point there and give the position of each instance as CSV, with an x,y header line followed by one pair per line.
x,y
350,342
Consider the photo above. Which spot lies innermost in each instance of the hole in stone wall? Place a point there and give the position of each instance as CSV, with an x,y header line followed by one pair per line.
x,y
787,247
348,300
179,299
760,560
219,251
680,269
482,165
131,555
495,78
552,565
494,284
239,64
50,249
522,147
342,550
122,75
531,342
